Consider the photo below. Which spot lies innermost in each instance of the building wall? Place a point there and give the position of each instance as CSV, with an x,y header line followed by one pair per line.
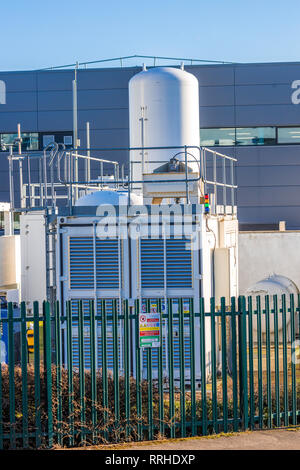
x,y
246,95
265,253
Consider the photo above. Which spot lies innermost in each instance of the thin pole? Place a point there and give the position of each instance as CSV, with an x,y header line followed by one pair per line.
x,y
75,126
87,161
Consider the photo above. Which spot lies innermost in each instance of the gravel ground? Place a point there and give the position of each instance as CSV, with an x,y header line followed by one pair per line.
x,y
280,439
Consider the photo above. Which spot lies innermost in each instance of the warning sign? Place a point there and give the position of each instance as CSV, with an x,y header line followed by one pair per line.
x,y
149,330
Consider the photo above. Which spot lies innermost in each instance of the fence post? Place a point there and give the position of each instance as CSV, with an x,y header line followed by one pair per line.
x,y
242,328
48,372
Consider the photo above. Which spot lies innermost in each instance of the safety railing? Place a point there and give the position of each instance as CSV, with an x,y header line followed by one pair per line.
x,y
59,176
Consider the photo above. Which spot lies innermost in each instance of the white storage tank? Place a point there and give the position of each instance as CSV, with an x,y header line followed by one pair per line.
x,y
163,112
274,284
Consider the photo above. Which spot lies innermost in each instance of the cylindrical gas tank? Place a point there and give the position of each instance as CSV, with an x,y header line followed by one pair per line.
x,y
163,112
275,284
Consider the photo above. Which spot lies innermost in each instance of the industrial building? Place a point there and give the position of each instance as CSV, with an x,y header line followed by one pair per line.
x,y
248,111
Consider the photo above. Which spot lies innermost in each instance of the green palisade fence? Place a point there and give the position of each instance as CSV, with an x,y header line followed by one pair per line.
x,y
222,366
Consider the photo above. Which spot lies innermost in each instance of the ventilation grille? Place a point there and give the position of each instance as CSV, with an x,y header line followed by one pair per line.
x,y
178,263
82,264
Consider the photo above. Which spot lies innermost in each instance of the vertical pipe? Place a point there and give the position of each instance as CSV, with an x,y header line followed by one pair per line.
x,y
19,139
24,359
88,161
224,185
232,188
215,178
37,382
186,176
11,189
75,128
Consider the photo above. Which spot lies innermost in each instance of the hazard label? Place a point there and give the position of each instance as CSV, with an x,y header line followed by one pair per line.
x,y
149,330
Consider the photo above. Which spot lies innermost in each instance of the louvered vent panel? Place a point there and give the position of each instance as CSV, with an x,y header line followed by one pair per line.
x,y
178,263
82,263
152,263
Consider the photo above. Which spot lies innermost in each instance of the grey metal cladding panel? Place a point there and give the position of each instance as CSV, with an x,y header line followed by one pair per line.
x,y
97,79
213,75
55,121
267,215
97,99
9,121
87,99
216,96
19,81
106,138
20,101
217,116
59,100
263,94
272,115
266,73
260,196
268,155
55,80
104,119
4,196
268,176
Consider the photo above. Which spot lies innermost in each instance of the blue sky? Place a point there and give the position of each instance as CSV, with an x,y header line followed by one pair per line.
x,y
36,33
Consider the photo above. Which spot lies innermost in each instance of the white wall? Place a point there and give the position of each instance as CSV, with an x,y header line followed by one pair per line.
x,y
265,253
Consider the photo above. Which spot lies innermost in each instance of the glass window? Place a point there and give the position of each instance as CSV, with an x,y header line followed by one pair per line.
x,y
30,140
288,135
255,136
68,139
48,139
221,136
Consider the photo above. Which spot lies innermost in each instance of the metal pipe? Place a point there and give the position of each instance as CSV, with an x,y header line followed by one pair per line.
x,y
88,162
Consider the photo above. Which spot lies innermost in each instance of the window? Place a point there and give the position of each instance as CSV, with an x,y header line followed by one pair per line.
x,y
255,136
30,140
288,135
222,136
238,136
61,137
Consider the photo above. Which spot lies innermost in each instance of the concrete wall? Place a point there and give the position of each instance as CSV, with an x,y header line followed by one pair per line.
x,y
265,253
